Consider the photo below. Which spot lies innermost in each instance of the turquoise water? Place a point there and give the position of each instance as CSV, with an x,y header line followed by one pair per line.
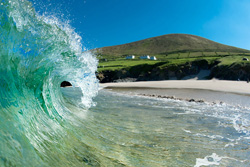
x,y
44,125
37,53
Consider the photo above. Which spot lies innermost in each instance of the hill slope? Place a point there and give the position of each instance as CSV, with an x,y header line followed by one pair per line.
x,y
169,44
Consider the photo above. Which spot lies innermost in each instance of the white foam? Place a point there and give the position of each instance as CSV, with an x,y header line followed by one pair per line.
x,y
210,136
188,131
230,144
213,159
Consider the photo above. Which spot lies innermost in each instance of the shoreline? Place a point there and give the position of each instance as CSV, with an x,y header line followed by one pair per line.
x,y
236,93
238,87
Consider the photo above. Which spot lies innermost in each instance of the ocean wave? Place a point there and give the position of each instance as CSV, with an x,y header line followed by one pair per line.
x,y
38,53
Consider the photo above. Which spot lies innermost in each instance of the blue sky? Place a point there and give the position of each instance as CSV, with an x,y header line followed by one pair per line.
x,y
112,22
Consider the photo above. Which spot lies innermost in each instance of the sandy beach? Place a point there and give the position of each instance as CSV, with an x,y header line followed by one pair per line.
x,y
214,91
239,87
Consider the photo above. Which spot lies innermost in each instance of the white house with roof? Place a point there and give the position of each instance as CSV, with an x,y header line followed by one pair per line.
x,y
153,58
130,57
145,57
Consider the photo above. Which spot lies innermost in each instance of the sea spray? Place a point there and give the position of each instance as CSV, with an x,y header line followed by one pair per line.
x,y
38,53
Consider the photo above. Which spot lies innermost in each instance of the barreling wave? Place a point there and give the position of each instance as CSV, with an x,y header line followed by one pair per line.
x,y
37,53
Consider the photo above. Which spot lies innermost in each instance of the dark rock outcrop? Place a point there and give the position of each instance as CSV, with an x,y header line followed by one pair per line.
x,y
235,71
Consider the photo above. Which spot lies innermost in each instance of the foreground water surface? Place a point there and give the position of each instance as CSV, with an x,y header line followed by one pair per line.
x,y
124,130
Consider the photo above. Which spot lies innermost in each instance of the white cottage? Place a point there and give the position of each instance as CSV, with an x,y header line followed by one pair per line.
x,y
130,57
145,57
153,58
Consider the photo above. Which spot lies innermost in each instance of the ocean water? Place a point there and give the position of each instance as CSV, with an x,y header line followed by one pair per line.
x,y
37,53
44,125
143,131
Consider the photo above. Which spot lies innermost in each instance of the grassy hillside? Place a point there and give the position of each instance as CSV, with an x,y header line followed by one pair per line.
x,y
117,63
166,44
178,55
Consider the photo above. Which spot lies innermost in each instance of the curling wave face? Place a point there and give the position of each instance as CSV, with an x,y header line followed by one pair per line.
x,y
38,53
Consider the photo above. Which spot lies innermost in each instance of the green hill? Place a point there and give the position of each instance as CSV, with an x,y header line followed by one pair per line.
x,y
178,56
171,43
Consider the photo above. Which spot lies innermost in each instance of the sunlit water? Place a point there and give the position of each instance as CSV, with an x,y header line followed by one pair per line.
x,y
135,131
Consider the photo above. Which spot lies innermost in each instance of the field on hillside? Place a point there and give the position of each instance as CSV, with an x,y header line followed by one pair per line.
x,y
113,63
